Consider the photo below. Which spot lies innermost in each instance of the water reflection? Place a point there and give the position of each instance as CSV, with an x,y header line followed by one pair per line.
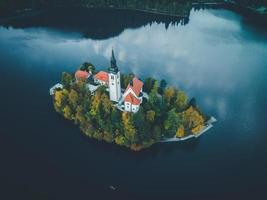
x,y
93,23
215,58
212,58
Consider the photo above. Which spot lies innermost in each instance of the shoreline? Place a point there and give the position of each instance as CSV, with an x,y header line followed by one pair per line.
x,y
226,4
209,125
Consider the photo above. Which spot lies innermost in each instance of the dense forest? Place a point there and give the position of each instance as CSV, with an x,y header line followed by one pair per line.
x,y
100,23
167,112
174,7
170,7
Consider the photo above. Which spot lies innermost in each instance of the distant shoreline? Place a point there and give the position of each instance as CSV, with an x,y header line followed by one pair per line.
x,y
229,5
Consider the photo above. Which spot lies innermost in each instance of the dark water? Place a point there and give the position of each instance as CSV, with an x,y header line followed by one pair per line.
x,y
217,58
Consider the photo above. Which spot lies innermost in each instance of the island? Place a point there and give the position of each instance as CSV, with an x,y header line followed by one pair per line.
x,y
122,109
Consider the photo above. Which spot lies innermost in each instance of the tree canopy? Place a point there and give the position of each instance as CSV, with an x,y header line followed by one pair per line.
x,y
164,115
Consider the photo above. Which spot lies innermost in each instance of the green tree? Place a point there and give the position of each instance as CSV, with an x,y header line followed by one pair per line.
x,y
66,80
129,129
106,103
162,86
168,94
89,67
80,116
173,121
73,98
153,96
115,118
139,123
156,133
181,100
121,140
150,115
95,104
125,79
148,84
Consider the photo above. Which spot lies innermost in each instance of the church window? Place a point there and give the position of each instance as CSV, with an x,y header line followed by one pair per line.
x,y
112,77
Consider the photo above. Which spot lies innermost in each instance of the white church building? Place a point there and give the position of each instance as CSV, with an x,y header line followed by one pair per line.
x,y
132,97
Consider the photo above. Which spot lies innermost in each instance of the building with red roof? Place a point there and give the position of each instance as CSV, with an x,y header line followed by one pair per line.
x,y
133,95
79,74
132,98
101,78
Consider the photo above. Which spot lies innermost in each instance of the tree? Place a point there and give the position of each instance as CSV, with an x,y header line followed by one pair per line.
x,y
115,118
80,116
156,133
148,84
153,96
139,123
108,137
95,104
150,115
121,140
129,129
81,88
66,80
60,97
169,94
173,121
180,132
193,119
106,103
162,86
73,98
181,100
125,79
67,112
193,102
89,67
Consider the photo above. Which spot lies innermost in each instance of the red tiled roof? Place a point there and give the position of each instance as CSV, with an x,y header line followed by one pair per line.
x,y
102,76
136,87
132,99
81,74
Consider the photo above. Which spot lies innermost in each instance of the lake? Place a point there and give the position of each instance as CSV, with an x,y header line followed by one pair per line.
x,y
218,57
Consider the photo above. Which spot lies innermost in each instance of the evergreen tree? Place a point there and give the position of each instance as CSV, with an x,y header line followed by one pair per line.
x,y
66,80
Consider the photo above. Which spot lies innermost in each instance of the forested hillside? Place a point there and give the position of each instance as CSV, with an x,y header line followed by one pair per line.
x,y
171,7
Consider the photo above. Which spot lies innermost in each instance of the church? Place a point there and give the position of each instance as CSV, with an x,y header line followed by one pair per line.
x,y
132,97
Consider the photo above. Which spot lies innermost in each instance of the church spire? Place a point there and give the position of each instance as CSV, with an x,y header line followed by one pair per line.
x,y
113,65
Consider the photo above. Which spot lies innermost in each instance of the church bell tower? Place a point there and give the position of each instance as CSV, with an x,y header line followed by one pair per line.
x,y
114,80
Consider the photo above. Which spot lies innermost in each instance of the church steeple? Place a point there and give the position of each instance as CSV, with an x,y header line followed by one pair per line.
x,y
113,65
114,80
